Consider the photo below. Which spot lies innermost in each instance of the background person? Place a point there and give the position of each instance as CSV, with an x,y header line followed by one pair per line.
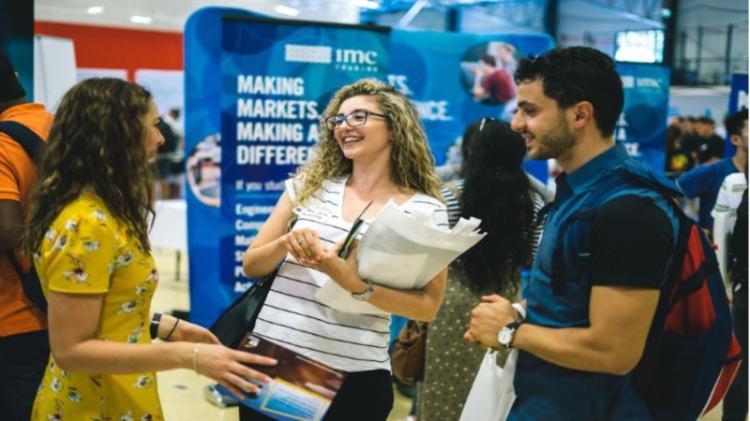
x,y
164,158
494,188
89,240
24,345
735,402
703,182
176,171
372,149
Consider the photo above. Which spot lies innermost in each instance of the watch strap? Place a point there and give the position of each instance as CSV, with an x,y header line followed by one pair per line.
x,y
510,328
153,328
364,295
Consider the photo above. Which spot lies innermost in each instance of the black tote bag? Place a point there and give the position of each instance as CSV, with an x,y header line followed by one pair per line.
x,y
240,317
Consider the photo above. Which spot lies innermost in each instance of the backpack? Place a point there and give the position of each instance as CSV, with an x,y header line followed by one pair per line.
x,y
691,354
34,147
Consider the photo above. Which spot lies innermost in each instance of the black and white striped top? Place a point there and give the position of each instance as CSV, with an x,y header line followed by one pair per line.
x,y
293,318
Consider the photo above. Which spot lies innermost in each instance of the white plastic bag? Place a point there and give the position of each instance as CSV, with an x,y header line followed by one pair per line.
x,y
492,394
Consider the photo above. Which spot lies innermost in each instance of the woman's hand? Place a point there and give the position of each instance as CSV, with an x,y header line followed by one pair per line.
x,y
345,272
189,332
228,367
303,244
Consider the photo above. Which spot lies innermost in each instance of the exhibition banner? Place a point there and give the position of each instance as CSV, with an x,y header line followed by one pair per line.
x,y
205,225
277,78
642,126
738,94
254,89
456,79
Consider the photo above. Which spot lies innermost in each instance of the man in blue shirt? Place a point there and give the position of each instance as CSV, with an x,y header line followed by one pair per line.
x,y
584,331
704,182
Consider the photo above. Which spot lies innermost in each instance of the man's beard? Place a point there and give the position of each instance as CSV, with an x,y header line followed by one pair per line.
x,y
556,142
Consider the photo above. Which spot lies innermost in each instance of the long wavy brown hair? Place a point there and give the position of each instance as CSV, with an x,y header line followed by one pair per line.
x,y
96,141
412,163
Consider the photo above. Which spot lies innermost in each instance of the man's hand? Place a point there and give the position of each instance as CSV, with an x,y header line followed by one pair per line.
x,y
488,318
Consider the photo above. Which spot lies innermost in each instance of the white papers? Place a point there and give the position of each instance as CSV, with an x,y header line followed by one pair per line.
x,y
402,251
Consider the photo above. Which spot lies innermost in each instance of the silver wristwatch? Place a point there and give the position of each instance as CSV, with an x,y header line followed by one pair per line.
x,y
507,333
364,295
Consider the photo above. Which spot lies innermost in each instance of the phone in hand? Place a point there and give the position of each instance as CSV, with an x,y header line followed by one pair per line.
x,y
349,240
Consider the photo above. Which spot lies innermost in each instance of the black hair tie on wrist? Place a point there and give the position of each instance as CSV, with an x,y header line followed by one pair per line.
x,y
166,338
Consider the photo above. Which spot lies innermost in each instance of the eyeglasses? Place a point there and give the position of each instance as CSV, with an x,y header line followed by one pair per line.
x,y
353,119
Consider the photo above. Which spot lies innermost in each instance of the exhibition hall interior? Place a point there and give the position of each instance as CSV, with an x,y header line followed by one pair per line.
x,y
250,202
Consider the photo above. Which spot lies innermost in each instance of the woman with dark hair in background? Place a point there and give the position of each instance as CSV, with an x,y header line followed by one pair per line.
x,y
88,235
495,189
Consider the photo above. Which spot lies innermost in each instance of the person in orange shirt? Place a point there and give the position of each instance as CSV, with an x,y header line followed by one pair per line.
x,y
24,345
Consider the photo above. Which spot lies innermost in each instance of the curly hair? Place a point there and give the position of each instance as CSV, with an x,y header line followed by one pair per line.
x,y
497,191
96,141
412,163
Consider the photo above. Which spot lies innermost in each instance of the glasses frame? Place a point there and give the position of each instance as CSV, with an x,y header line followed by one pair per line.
x,y
335,121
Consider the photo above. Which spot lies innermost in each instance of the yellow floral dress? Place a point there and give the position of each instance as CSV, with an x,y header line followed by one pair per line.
x,y
87,251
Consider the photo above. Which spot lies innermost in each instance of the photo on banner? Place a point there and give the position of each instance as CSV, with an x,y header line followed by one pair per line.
x,y
441,71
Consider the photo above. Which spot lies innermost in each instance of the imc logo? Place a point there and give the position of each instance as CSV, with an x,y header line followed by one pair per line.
x,y
356,60
362,57
343,58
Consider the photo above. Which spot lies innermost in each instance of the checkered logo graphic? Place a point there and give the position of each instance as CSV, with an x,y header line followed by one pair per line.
x,y
308,54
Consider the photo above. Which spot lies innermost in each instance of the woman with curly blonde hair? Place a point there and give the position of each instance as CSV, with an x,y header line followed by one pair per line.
x,y
88,234
372,149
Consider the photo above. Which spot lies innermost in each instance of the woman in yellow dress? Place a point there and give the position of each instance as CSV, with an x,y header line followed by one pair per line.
x,y
88,234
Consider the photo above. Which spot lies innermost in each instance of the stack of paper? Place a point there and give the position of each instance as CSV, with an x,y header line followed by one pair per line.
x,y
402,251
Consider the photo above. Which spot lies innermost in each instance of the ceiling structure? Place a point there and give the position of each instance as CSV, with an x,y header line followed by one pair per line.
x,y
171,15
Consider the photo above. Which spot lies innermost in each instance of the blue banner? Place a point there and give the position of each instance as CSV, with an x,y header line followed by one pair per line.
x,y
738,94
255,89
277,79
440,71
642,126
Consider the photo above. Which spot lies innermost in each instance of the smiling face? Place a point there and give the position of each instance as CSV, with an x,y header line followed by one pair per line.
x,y
542,123
152,136
368,141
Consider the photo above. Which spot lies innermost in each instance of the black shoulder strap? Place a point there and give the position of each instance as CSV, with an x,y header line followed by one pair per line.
x,y
29,141
34,146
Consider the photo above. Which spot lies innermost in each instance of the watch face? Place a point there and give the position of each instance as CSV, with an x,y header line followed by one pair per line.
x,y
505,336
